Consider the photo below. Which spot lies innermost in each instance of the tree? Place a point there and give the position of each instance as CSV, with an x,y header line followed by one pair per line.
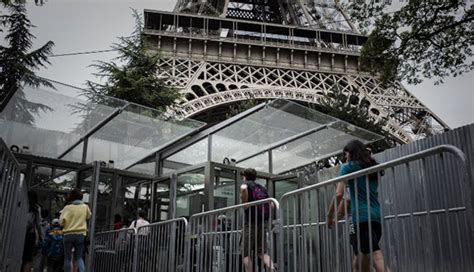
x,y
242,106
17,62
347,107
136,78
431,39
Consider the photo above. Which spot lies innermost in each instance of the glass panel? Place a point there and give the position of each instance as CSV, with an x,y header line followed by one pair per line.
x,y
126,203
129,195
259,162
134,134
190,197
144,168
52,192
161,201
318,145
75,154
277,121
48,121
282,187
224,188
104,217
192,155
144,198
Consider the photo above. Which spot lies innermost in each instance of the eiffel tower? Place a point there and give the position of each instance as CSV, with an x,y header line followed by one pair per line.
x,y
220,52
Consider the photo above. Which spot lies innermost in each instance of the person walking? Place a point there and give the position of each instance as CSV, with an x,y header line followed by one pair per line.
x,y
34,232
141,221
73,219
364,204
256,221
53,247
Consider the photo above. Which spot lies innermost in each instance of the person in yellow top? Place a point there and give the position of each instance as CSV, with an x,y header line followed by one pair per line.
x,y
73,219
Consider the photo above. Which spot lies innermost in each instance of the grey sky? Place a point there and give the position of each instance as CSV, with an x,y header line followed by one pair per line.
x,y
87,25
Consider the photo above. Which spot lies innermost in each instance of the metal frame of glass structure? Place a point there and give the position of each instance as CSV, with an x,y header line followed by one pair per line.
x,y
128,157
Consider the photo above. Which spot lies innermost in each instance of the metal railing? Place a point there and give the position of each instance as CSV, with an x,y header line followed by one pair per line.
x,y
13,211
160,246
114,250
420,216
419,229
227,239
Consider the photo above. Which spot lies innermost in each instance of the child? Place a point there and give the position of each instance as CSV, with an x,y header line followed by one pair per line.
x,y
53,247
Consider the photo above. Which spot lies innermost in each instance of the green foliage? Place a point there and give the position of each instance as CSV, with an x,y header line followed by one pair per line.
x,y
135,78
17,62
242,106
431,39
347,107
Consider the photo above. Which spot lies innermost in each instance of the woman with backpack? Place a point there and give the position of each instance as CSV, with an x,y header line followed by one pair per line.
x,y
255,221
73,219
364,204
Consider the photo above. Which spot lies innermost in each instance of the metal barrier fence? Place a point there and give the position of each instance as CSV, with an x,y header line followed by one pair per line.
x,y
13,211
114,250
227,239
419,230
160,246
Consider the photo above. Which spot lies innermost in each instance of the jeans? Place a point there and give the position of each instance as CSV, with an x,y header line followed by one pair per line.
x,y
75,241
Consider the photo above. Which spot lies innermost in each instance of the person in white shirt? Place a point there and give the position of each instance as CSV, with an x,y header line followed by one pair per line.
x,y
140,222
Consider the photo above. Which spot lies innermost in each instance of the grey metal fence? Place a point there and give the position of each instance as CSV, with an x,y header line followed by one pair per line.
x,y
417,232
160,246
13,211
114,250
227,239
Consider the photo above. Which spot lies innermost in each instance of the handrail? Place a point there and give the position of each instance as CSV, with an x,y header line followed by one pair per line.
x,y
164,223
116,231
382,166
243,205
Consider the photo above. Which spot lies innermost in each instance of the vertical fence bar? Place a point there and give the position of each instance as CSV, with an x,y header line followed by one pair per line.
x,y
93,195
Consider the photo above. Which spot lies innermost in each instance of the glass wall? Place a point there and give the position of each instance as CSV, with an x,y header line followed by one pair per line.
x,y
48,122
225,181
190,197
295,135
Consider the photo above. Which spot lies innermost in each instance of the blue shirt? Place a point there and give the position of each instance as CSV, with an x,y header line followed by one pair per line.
x,y
360,210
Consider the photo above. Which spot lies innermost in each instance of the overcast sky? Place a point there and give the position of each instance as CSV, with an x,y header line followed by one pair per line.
x,y
89,25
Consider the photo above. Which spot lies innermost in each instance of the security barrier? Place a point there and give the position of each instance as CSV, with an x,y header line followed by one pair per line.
x,y
160,246
114,250
13,211
227,239
426,227
421,223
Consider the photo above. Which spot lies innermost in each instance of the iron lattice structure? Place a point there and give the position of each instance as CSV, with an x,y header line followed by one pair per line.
x,y
222,51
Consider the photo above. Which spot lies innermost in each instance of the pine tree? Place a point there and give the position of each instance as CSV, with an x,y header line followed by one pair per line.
x,y
135,78
17,62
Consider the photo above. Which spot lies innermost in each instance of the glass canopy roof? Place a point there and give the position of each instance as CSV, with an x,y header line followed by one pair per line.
x,y
57,123
276,138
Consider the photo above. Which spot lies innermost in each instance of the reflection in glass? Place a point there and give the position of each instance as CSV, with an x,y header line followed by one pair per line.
x,y
224,188
192,155
284,186
49,121
134,134
318,145
161,201
277,121
259,162
190,193
46,120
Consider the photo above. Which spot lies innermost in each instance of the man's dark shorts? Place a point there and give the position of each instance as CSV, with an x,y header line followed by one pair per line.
x,y
365,238
254,238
